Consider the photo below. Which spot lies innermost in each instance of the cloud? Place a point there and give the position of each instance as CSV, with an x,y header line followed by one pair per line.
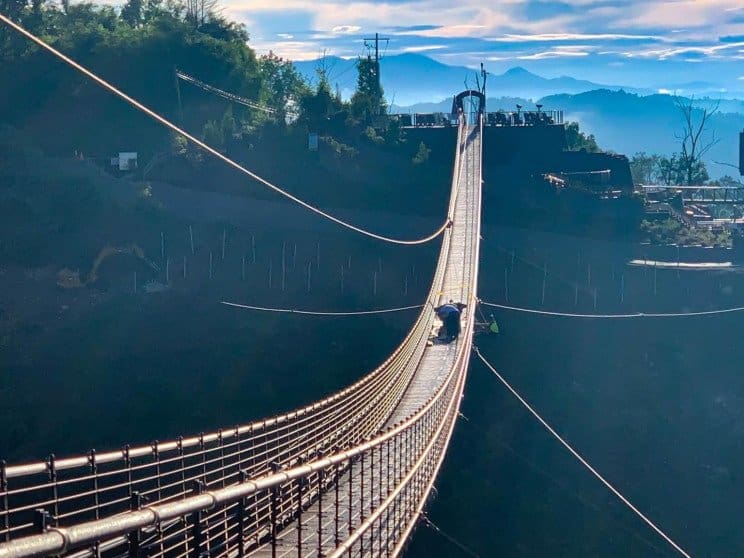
x,y
345,29
554,53
559,37
422,48
604,39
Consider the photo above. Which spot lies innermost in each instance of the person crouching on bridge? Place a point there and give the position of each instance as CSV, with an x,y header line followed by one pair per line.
x,y
450,315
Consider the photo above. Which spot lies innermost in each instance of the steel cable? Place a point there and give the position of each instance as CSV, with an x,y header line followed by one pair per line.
x,y
319,313
608,316
214,152
583,461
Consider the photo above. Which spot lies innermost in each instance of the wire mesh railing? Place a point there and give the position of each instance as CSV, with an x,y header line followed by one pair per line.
x,y
229,493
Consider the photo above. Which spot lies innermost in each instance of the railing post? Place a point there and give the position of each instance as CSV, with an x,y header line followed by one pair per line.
x,y
42,519
196,523
275,468
361,488
321,481
242,503
300,485
135,537
51,464
94,472
4,490
351,501
336,540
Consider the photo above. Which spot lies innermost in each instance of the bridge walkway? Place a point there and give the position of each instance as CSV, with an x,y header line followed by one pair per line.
x,y
355,493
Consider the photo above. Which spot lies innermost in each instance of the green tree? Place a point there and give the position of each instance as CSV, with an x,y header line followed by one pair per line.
x,y
644,168
422,154
213,135
576,140
131,12
317,108
679,170
367,101
283,86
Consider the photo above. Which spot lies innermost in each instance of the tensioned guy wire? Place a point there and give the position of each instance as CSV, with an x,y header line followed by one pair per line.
x,y
320,313
583,461
611,316
168,124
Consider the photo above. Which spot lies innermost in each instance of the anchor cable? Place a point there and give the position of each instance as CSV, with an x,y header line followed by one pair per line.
x,y
168,124
583,461
320,313
609,316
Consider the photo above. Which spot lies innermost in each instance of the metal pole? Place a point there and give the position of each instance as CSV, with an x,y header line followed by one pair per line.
x,y
321,479
184,267
242,504
284,265
622,288
191,237
374,283
253,248
506,284
545,279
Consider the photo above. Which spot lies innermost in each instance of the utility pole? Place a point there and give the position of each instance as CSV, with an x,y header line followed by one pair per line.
x,y
369,42
178,95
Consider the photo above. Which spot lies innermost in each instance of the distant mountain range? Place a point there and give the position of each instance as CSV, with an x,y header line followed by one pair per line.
x,y
623,119
414,78
410,78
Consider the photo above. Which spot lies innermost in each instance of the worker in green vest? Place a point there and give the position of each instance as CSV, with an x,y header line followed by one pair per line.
x,y
493,327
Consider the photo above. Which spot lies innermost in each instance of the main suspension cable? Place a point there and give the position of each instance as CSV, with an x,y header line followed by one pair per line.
x,y
212,151
583,461
610,316
320,313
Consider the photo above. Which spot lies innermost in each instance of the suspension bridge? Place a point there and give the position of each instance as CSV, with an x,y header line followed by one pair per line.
x,y
349,475
346,475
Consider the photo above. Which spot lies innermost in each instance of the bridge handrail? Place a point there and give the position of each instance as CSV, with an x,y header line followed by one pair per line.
x,y
62,539
13,471
392,395
335,421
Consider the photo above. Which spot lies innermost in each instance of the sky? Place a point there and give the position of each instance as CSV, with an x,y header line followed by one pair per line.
x,y
653,43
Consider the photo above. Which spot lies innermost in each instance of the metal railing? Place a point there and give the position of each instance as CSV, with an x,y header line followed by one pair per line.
x,y
229,493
